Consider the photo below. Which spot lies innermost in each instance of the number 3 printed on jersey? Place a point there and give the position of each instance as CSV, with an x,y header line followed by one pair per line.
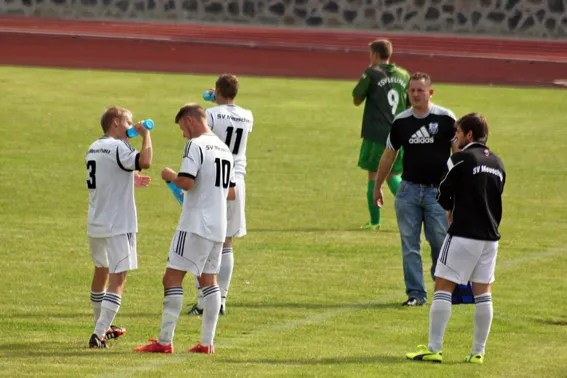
x,y
91,182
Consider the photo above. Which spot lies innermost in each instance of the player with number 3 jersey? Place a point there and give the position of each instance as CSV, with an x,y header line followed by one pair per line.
x,y
112,172
383,85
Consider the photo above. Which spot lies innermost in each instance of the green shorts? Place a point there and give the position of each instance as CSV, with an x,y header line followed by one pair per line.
x,y
370,154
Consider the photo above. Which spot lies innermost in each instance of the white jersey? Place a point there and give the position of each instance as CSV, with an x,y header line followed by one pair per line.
x,y
232,124
110,180
209,162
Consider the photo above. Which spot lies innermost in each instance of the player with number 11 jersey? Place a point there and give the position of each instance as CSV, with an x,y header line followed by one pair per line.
x,y
231,124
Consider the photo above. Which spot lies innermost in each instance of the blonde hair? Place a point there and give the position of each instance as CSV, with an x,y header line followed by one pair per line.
x,y
110,114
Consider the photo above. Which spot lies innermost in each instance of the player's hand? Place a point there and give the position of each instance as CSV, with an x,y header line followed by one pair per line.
x,y
168,174
141,181
212,90
140,129
378,196
449,217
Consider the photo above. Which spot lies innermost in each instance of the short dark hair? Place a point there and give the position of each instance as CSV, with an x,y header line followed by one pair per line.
x,y
227,84
109,115
191,109
421,76
477,124
382,47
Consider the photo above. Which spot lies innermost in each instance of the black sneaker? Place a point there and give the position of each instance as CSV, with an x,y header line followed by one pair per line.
x,y
413,302
222,310
195,310
96,342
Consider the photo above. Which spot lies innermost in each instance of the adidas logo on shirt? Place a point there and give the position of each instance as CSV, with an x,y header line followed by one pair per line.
x,y
421,136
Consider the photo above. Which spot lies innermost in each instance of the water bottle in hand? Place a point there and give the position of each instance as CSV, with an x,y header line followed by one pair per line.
x,y
209,96
177,192
148,124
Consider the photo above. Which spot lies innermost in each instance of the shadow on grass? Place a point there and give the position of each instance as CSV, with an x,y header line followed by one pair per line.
x,y
553,322
309,230
74,315
318,306
52,349
335,361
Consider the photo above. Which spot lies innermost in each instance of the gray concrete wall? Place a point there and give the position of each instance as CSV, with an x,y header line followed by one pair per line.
x,y
521,18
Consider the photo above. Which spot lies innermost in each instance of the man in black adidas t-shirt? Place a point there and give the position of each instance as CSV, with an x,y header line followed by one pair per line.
x,y
427,134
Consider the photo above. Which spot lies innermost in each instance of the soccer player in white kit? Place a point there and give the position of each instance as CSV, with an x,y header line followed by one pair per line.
x,y
112,166
231,124
207,178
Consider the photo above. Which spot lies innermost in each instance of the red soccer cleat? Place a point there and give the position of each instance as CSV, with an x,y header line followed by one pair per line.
x,y
155,347
114,332
209,349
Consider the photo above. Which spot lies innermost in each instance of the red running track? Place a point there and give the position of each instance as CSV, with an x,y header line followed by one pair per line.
x,y
272,51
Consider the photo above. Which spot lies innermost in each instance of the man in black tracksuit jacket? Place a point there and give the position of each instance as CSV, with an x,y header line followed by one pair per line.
x,y
471,192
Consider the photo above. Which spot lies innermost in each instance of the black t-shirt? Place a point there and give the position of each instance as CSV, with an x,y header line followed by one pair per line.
x,y
472,189
426,141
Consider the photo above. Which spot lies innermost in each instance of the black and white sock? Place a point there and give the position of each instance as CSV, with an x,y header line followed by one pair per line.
x,y
96,301
482,321
172,304
109,308
439,315
225,272
211,307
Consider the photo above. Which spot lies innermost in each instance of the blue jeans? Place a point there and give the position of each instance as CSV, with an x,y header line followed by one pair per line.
x,y
416,204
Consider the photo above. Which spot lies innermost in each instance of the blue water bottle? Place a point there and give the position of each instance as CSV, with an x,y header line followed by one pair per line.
x,y
208,96
148,124
177,192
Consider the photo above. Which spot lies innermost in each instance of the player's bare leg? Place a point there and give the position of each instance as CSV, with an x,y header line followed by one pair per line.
x,y
483,313
211,307
225,272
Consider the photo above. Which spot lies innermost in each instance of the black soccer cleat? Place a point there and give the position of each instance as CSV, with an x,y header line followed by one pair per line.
x,y
96,342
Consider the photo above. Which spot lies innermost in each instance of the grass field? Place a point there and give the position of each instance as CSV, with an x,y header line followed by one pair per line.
x,y
311,294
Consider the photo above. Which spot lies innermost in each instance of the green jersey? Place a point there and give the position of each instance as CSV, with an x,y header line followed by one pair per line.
x,y
384,88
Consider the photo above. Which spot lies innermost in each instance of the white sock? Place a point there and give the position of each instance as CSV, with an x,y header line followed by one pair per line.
x,y
172,304
225,272
109,307
482,321
199,294
96,301
439,315
211,307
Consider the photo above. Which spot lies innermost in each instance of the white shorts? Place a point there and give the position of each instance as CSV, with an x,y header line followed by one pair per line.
x,y
236,216
193,253
117,253
462,260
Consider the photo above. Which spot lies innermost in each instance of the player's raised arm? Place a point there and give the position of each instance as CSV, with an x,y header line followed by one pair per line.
x,y
145,159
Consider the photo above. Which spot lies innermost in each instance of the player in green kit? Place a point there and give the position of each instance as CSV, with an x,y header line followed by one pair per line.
x,y
383,85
